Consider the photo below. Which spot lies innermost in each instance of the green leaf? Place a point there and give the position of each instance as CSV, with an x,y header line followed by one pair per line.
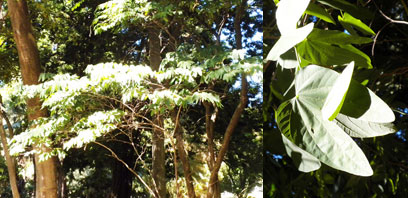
x,y
288,59
356,23
363,129
336,37
333,48
359,12
320,12
288,41
335,99
289,13
349,28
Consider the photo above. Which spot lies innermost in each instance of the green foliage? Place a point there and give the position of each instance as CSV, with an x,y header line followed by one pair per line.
x,y
348,22
118,12
332,48
78,106
120,95
321,110
319,12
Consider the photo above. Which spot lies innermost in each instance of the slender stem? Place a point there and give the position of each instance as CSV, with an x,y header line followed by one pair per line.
x,y
127,166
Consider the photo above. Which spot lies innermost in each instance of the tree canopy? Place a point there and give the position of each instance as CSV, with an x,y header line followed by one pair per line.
x,y
119,77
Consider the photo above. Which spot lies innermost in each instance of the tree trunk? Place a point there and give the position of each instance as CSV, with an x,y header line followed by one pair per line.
x,y
183,156
158,155
46,177
212,184
210,116
10,161
121,176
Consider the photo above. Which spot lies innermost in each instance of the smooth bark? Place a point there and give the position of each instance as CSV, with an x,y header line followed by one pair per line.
x,y
46,176
158,155
10,161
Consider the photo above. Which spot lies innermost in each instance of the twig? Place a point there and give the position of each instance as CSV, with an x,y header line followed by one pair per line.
x,y
389,18
376,36
390,21
127,166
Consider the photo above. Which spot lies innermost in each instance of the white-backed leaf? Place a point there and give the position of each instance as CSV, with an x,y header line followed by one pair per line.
x,y
289,13
363,104
327,141
337,94
288,41
363,129
303,160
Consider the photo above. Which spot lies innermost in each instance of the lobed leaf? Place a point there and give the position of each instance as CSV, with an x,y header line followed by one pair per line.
x,y
337,94
359,12
320,12
288,41
333,48
347,21
289,13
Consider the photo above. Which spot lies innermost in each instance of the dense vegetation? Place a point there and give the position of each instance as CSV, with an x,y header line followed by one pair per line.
x,y
130,98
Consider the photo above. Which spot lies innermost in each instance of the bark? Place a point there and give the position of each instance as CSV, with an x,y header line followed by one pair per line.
x,y
10,161
122,178
210,116
183,156
213,192
154,47
46,176
158,155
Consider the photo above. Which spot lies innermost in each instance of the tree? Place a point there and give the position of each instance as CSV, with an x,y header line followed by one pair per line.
x,y
11,162
103,96
360,122
214,189
46,176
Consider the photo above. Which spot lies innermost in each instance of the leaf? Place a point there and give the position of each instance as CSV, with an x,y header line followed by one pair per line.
x,y
363,129
349,28
288,59
321,138
289,13
332,48
356,23
320,12
337,37
335,99
303,160
283,86
363,104
359,12
360,102
288,41
300,120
